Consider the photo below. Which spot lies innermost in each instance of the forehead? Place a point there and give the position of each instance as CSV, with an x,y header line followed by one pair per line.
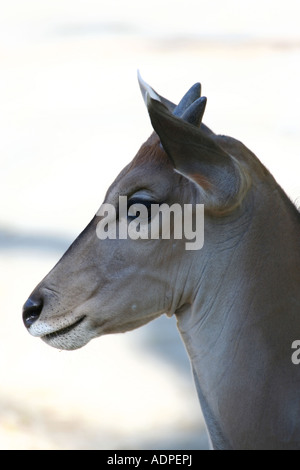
x,y
151,169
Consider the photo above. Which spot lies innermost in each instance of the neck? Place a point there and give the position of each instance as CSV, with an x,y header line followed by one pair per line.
x,y
239,330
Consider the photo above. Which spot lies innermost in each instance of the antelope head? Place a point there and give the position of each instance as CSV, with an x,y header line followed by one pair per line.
x,y
116,284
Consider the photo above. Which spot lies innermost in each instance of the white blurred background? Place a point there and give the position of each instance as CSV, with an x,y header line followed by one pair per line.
x,y
71,116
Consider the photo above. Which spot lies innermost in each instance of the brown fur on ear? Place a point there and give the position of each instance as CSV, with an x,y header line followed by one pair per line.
x,y
201,181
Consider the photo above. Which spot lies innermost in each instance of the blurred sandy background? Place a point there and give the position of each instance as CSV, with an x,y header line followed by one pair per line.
x,y
71,116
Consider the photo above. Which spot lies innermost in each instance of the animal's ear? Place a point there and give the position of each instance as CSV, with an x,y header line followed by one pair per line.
x,y
196,155
148,90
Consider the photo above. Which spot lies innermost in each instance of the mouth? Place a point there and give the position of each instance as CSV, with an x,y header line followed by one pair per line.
x,y
63,331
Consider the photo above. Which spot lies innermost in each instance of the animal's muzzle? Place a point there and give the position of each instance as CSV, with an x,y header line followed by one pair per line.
x,y
32,310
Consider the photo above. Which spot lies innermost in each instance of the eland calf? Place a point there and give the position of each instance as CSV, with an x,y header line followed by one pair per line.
x,y
236,298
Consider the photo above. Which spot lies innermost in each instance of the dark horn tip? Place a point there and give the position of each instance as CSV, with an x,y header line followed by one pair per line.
x,y
194,113
191,95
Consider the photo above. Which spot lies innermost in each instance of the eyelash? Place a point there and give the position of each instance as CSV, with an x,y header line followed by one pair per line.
x,y
144,202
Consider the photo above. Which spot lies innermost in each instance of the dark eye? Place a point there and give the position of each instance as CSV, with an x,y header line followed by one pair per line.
x,y
138,207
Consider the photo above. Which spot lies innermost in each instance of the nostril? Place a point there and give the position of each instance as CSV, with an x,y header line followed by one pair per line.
x,y
31,311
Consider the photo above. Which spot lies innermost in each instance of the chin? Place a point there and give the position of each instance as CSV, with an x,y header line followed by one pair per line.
x,y
69,338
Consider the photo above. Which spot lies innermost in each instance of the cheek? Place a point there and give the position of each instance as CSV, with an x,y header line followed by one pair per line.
x,y
133,293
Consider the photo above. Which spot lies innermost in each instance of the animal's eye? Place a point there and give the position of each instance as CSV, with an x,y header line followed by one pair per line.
x,y
138,207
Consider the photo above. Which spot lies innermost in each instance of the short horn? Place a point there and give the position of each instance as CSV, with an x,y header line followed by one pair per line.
x,y
195,111
192,95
